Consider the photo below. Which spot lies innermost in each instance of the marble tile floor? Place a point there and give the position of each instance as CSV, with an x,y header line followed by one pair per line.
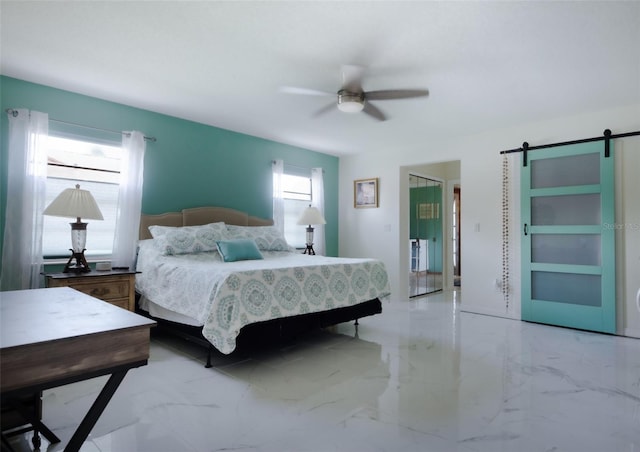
x,y
423,283
422,376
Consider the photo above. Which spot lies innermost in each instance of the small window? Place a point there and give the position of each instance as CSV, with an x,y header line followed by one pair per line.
x,y
96,167
297,196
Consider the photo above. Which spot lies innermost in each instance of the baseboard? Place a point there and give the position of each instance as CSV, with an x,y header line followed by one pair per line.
x,y
485,310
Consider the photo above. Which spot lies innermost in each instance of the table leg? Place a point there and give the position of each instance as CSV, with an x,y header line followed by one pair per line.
x,y
6,446
90,419
36,423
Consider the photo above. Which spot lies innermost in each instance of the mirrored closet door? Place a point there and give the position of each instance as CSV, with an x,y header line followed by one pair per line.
x,y
425,235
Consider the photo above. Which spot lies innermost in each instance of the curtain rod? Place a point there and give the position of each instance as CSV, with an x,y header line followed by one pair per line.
x,y
14,113
295,166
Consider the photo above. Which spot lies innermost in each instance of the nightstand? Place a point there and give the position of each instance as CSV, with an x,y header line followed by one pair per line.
x,y
114,286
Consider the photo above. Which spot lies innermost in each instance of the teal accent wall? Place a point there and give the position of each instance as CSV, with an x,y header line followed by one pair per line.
x,y
190,164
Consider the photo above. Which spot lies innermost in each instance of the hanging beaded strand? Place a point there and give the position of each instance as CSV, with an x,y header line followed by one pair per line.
x,y
505,230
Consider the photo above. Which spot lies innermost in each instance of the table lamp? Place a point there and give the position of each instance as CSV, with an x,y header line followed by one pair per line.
x,y
311,215
76,203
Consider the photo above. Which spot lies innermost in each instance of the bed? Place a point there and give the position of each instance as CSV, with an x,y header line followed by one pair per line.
x,y
187,284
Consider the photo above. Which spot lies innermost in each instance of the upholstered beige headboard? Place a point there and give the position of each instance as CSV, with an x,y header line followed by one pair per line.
x,y
197,216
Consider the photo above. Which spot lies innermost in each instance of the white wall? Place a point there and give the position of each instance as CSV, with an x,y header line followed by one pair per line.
x,y
628,234
379,232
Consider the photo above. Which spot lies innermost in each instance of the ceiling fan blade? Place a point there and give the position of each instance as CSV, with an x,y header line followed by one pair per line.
x,y
373,111
305,91
325,109
388,94
352,77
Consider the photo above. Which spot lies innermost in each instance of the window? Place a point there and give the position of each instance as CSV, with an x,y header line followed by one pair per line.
x,y
297,196
96,167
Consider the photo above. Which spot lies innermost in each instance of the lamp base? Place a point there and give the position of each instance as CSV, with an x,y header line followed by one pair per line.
x,y
309,250
81,265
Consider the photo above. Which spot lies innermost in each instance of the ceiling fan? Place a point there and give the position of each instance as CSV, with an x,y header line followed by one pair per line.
x,y
351,98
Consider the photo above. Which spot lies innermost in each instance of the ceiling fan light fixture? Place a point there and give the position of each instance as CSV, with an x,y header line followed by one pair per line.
x,y
349,102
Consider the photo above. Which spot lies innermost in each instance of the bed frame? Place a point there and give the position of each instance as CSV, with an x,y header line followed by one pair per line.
x,y
285,327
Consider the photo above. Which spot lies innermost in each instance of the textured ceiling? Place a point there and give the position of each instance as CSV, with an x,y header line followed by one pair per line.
x,y
487,65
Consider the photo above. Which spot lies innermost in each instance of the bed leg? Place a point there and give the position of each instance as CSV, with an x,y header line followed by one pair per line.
x,y
356,323
209,350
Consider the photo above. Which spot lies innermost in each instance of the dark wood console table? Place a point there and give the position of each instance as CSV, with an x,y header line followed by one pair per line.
x,y
56,336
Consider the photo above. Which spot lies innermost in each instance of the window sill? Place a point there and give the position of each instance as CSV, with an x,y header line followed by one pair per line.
x,y
64,260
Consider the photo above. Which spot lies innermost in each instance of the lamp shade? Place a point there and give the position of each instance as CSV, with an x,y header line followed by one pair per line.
x,y
311,215
75,203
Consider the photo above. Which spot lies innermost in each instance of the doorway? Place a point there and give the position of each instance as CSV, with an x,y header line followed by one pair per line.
x,y
426,215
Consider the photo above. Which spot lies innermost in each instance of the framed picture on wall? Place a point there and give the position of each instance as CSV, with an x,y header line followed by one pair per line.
x,y
365,193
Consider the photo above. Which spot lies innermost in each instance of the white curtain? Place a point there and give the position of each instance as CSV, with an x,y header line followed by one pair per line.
x,y
317,201
129,200
22,260
278,195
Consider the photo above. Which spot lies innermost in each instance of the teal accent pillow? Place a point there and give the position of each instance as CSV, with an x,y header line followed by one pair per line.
x,y
238,250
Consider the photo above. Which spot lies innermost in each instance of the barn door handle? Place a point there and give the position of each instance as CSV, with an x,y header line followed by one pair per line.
x,y
526,229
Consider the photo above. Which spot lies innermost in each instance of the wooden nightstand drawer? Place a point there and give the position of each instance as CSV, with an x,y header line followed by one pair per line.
x,y
120,302
115,287
106,290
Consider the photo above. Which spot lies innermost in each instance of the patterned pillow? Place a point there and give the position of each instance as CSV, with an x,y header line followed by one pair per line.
x,y
188,239
268,238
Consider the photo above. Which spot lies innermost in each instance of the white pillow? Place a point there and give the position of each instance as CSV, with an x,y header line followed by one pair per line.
x,y
188,239
268,238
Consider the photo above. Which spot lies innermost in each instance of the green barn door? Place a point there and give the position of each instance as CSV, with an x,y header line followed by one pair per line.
x,y
568,238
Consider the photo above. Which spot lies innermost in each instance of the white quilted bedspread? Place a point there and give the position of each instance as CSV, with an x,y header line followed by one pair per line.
x,y
225,296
